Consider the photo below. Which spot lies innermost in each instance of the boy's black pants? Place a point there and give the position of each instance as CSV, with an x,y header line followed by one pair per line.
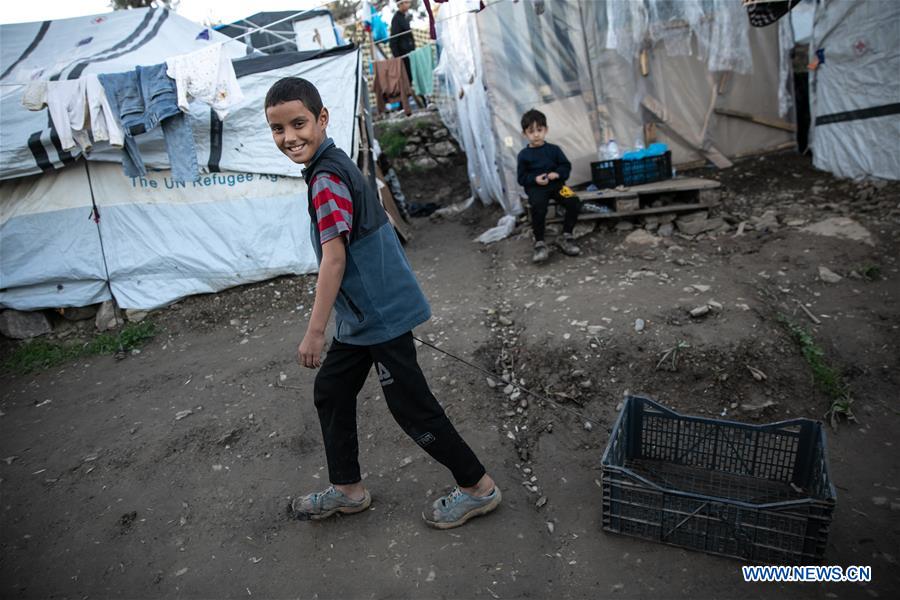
x,y
539,199
414,407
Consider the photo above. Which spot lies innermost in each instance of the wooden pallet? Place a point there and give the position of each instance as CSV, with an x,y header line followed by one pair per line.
x,y
684,194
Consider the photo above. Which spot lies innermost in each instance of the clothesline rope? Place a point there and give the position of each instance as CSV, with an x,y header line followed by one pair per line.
x,y
317,7
278,22
426,45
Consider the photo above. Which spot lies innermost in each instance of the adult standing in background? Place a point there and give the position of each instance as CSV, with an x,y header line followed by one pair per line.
x,y
401,45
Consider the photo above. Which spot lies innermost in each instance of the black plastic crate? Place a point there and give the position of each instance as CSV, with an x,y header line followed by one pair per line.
x,y
606,174
761,493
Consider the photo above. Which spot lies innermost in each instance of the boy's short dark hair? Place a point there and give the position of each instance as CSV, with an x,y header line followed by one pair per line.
x,y
295,88
532,117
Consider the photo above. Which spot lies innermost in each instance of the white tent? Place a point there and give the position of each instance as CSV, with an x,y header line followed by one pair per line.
x,y
855,90
603,70
156,240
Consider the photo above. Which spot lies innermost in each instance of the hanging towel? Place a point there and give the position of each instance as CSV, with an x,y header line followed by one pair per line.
x,y
391,84
422,64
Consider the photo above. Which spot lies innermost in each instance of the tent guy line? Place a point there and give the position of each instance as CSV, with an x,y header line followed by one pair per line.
x,y
513,383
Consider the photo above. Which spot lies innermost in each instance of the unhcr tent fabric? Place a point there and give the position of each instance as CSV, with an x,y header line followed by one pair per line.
x,y
602,70
160,240
28,145
855,89
157,240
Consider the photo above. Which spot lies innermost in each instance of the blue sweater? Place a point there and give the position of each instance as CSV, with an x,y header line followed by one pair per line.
x,y
543,159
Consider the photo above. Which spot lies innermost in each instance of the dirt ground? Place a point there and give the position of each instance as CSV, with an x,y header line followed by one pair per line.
x,y
110,490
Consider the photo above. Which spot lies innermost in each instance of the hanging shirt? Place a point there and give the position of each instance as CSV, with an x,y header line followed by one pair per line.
x,y
65,101
333,205
206,75
81,111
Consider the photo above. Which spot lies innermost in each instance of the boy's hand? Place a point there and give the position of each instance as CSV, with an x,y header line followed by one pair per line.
x,y
552,175
309,353
542,179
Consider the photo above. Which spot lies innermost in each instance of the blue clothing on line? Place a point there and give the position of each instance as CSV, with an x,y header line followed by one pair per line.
x,y
144,98
379,27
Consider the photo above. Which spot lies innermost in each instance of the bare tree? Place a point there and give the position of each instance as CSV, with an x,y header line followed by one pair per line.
x,y
343,9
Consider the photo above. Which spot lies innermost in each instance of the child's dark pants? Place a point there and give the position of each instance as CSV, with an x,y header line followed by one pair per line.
x,y
414,407
539,199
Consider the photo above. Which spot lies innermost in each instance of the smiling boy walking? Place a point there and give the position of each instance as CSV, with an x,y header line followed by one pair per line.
x,y
365,277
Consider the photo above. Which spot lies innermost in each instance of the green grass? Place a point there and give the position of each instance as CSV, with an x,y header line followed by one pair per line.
x,y
672,354
39,354
871,272
827,378
392,142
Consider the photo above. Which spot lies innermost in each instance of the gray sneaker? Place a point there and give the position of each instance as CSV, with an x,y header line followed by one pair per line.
x,y
541,253
568,246
321,505
457,507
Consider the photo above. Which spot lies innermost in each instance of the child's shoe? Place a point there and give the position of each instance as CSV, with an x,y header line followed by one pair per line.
x,y
541,253
321,505
568,246
457,507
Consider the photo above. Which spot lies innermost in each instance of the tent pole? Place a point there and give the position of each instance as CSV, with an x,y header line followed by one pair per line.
x,y
370,131
95,216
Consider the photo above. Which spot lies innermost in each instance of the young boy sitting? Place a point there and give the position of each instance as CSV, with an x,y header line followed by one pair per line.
x,y
542,171
365,277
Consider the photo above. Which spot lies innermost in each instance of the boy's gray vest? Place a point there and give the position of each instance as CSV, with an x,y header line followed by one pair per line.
x,y
379,298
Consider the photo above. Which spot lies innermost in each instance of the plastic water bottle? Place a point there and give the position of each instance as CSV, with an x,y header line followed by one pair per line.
x,y
601,152
639,143
612,150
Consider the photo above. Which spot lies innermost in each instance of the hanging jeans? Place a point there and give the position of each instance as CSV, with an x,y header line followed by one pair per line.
x,y
144,98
